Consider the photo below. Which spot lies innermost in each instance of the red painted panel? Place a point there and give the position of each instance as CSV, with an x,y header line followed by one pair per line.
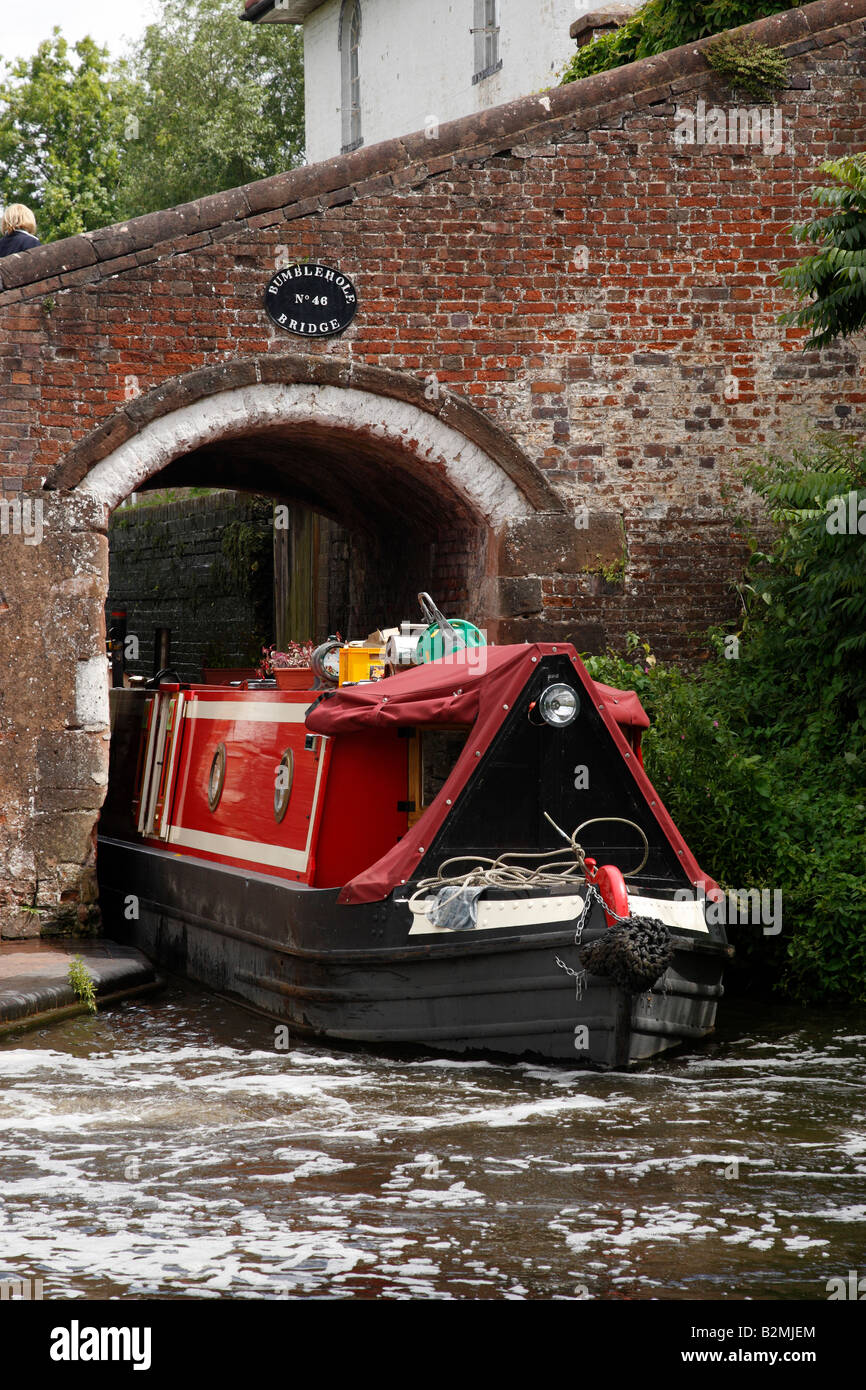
x,y
246,808
368,775
361,779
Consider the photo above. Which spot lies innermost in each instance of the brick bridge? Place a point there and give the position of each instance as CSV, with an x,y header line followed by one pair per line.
x,y
567,333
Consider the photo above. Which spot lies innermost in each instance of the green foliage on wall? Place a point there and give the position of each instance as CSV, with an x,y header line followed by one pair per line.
x,y
749,66
664,24
248,547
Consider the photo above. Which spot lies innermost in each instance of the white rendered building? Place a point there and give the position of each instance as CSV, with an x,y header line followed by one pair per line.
x,y
375,69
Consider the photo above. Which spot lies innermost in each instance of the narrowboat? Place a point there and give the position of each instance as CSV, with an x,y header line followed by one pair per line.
x,y
465,856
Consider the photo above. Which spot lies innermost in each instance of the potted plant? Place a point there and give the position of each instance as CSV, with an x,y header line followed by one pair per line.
x,y
291,668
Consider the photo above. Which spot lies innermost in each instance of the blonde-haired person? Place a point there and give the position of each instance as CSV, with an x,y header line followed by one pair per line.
x,y
19,230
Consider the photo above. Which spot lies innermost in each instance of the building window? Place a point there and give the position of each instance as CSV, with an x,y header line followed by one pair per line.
x,y
486,31
350,87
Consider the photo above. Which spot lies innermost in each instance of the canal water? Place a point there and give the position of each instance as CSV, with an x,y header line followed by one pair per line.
x,y
170,1149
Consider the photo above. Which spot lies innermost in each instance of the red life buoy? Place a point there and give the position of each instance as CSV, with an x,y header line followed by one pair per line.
x,y
608,879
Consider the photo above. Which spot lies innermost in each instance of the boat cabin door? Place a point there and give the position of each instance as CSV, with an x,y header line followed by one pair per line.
x,y
160,760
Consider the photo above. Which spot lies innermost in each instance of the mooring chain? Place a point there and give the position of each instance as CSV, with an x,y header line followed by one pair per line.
x,y
579,976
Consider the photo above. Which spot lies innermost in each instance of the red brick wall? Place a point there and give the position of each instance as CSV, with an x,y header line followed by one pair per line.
x,y
607,371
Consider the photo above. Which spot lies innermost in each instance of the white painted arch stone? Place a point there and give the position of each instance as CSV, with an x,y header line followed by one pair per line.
x,y
476,477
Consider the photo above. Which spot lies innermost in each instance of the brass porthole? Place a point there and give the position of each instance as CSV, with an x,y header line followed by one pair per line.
x,y
283,787
216,777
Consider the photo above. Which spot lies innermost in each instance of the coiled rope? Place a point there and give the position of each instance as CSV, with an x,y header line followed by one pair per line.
x,y
511,869
632,955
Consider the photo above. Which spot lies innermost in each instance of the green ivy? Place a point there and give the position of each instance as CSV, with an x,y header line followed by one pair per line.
x,y
607,51
248,546
664,24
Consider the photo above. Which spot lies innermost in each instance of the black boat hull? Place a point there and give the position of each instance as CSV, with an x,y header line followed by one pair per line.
x,y
259,941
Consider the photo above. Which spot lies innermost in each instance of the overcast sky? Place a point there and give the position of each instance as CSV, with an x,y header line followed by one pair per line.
x,y
109,22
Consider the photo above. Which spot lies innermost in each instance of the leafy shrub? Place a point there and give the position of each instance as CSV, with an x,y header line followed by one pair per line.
x,y
670,23
760,760
832,281
807,615
82,983
607,51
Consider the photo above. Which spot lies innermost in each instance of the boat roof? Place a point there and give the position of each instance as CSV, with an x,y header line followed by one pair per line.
x,y
452,692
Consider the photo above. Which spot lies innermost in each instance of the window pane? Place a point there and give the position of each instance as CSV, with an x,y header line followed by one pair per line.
x,y
440,749
350,95
486,35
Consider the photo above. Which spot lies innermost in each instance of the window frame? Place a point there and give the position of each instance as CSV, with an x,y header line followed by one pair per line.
x,y
416,769
486,30
349,44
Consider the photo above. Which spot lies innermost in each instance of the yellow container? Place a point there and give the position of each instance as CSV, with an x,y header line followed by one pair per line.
x,y
361,664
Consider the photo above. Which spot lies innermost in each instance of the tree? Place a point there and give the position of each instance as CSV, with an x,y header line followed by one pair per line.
x,y
833,280
60,136
219,103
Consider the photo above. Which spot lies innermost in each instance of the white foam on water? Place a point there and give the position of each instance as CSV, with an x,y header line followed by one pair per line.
x,y
308,1059
851,1214
453,1064
273,1083
662,1225
799,1059
802,1242
497,1117
269,1174
457,1195
17,1062
681,1162
383,1231
312,1165
45,1121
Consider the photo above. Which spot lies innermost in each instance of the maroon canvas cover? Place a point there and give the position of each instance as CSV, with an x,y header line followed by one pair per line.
x,y
624,705
444,692
478,692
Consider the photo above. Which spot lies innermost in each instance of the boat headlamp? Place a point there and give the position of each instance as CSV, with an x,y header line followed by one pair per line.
x,y
558,705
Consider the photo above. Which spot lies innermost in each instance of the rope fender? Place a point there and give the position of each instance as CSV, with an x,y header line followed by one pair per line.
x,y
632,954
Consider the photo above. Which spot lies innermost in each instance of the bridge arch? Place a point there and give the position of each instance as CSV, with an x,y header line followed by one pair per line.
x,y
421,483
255,396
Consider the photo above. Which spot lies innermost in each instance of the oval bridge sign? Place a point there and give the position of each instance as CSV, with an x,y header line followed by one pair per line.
x,y
311,300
